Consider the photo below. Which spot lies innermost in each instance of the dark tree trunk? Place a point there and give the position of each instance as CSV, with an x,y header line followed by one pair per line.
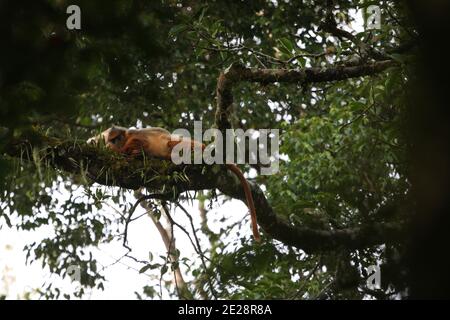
x,y
429,254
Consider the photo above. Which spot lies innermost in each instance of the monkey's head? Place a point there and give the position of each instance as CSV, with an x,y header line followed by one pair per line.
x,y
113,138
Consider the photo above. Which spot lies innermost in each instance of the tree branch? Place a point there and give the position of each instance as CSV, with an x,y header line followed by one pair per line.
x,y
110,169
169,242
236,73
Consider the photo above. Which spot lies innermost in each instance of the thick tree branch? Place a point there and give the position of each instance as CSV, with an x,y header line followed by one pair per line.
x,y
110,169
236,73
275,225
169,242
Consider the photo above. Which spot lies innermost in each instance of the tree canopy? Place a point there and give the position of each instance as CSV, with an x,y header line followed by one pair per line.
x,y
341,202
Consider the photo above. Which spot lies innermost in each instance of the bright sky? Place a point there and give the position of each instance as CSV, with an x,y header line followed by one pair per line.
x,y
123,278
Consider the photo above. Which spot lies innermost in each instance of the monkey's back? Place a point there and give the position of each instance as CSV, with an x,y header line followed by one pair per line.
x,y
149,131
154,140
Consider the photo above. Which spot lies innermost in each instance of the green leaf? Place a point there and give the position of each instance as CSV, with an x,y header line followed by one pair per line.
x,y
164,269
145,268
287,45
177,29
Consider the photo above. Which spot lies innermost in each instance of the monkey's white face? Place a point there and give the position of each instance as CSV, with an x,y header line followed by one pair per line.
x,y
112,138
102,137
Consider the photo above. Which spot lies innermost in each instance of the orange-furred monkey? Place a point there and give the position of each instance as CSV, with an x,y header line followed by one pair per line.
x,y
158,143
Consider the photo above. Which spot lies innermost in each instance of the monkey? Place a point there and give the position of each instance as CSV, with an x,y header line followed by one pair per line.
x,y
158,143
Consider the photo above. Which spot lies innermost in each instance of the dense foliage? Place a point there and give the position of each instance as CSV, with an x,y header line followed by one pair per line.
x,y
344,163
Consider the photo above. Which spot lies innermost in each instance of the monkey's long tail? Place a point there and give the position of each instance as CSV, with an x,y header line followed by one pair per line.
x,y
248,197
248,193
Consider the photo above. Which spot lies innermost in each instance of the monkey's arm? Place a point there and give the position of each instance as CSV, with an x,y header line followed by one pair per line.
x,y
134,147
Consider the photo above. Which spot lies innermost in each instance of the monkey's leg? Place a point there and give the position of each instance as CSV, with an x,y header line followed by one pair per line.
x,y
133,147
